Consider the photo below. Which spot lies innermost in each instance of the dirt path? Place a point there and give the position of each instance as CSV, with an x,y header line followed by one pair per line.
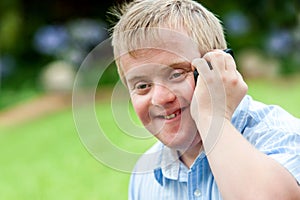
x,y
42,106
35,108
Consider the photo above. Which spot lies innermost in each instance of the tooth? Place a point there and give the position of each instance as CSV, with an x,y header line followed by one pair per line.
x,y
170,116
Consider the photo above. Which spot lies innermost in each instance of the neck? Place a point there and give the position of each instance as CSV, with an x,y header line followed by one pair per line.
x,y
188,157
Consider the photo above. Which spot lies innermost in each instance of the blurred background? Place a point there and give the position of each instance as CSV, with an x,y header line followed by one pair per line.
x,y
36,39
42,45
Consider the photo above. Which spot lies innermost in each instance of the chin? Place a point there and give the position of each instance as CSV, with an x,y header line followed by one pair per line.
x,y
179,142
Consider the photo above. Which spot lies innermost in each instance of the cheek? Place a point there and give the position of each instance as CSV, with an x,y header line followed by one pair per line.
x,y
191,85
186,89
140,106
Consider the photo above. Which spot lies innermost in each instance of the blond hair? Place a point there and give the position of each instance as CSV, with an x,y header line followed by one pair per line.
x,y
139,17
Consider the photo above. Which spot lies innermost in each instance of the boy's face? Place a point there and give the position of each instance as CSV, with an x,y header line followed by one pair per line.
x,y
161,86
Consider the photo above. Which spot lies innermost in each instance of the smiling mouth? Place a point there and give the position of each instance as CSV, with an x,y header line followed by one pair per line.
x,y
171,116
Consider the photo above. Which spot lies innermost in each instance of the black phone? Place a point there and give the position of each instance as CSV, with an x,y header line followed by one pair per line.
x,y
196,72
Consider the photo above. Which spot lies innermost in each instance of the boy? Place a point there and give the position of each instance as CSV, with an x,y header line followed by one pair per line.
x,y
215,142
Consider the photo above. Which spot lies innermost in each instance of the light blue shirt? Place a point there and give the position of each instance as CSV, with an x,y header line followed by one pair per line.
x,y
159,174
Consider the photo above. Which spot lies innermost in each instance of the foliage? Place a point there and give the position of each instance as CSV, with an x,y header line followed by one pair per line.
x,y
269,25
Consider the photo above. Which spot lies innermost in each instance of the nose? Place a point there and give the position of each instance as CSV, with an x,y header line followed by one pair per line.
x,y
162,95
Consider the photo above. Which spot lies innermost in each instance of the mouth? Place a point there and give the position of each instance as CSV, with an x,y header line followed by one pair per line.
x,y
172,115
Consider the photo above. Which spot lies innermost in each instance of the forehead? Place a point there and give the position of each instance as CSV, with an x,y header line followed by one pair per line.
x,y
170,56
148,57
157,44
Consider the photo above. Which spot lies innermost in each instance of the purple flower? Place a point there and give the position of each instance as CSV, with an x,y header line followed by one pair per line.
x,y
280,42
51,39
236,23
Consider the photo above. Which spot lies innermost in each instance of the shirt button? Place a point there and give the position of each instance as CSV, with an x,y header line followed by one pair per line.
x,y
197,193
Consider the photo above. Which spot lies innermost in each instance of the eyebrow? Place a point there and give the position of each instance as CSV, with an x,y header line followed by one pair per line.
x,y
135,78
181,64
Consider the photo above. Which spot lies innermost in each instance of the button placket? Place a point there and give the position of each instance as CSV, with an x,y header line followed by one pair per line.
x,y
195,179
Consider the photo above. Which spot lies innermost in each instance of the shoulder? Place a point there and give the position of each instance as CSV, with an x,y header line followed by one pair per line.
x,y
256,116
142,180
272,115
150,160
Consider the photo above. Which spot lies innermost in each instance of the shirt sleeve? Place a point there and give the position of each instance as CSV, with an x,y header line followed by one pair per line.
x,y
277,134
290,162
284,147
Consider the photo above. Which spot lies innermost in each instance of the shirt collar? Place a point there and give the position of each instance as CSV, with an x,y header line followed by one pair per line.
x,y
169,165
172,168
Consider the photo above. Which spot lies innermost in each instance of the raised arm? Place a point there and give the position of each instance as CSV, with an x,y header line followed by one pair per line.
x,y
240,170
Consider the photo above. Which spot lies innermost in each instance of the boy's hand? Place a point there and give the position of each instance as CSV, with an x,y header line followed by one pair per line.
x,y
219,89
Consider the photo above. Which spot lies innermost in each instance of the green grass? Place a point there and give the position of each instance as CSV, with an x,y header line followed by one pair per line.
x,y
284,92
45,159
10,97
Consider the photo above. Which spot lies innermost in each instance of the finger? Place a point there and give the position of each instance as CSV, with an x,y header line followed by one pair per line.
x,y
201,65
210,78
216,59
204,73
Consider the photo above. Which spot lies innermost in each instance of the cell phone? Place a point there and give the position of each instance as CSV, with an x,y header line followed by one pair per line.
x,y
196,72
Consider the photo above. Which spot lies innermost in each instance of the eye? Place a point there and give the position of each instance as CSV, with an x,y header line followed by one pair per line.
x,y
177,74
142,87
